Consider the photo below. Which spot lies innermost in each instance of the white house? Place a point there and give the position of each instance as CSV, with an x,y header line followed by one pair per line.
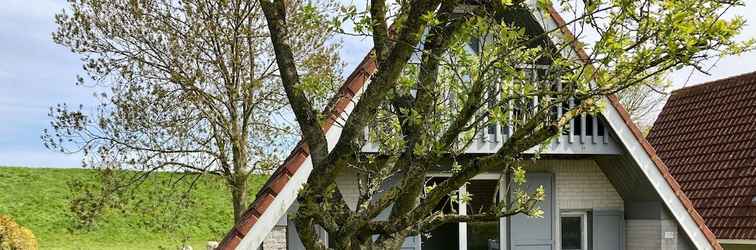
x,y
606,189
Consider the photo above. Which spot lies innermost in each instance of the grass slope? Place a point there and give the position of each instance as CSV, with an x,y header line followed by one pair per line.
x,y
39,200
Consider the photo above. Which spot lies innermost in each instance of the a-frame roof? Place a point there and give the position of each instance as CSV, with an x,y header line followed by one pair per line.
x,y
706,134
280,191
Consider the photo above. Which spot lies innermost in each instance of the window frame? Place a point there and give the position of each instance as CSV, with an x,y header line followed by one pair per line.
x,y
462,209
583,215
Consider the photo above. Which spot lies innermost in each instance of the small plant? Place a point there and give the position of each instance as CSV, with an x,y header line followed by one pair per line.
x,y
14,236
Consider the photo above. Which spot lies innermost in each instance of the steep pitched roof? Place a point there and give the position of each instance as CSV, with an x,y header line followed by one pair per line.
x,y
706,134
646,146
274,186
281,176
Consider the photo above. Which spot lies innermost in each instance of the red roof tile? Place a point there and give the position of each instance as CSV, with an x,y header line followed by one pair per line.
x,y
706,135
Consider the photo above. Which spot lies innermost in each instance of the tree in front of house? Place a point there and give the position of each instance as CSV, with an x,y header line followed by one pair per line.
x,y
449,70
190,86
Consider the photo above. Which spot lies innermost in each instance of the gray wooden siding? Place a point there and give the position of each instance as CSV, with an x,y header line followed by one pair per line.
x,y
528,233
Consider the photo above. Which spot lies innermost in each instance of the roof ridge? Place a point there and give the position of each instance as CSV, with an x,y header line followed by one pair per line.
x,y
695,87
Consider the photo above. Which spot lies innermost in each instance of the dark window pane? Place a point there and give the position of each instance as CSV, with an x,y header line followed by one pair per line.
x,y
589,125
445,204
600,127
482,235
571,233
577,128
475,44
505,129
445,236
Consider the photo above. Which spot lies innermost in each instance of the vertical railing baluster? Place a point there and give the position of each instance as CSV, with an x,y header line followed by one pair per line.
x,y
594,133
510,111
572,121
582,128
559,108
367,136
534,81
497,125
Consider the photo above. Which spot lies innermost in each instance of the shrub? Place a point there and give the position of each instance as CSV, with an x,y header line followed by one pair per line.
x,y
15,237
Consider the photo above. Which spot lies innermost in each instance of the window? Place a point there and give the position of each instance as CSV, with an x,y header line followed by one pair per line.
x,y
485,234
445,236
475,45
574,231
466,235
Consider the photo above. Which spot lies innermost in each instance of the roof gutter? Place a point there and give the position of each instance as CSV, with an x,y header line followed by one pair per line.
x,y
737,241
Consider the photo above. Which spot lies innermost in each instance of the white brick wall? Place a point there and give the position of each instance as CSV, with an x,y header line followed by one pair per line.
x,y
642,235
348,186
276,239
580,184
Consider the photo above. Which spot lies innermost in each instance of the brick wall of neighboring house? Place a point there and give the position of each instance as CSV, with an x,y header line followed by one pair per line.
x,y
276,239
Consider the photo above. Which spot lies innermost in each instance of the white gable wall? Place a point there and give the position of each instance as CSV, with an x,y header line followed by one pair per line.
x,y
580,184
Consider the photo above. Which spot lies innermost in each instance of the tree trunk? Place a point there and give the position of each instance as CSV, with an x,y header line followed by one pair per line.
x,y
239,198
239,179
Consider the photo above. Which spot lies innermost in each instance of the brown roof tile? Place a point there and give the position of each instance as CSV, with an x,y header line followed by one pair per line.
x,y
706,135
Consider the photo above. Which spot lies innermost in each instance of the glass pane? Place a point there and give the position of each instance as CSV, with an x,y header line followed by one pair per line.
x,y
482,235
571,233
445,236
475,44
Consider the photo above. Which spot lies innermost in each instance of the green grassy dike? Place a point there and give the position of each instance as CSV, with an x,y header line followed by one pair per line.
x,y
38,198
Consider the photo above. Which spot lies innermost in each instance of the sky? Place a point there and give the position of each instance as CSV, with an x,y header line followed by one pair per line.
x,y
36,73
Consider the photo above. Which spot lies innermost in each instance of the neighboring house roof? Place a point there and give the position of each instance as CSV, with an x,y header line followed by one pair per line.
x,y
281,179
706,134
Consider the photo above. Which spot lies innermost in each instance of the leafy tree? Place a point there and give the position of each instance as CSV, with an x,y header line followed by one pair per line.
x,y
644,101
190,86
430,96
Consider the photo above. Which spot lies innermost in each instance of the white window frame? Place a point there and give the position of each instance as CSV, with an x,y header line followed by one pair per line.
x,y
462,209
583,215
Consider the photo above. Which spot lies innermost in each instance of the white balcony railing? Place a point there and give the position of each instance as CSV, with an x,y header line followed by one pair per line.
x,y
586,134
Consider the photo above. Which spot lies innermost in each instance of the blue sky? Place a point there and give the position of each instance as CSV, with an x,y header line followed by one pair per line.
x,y
36,73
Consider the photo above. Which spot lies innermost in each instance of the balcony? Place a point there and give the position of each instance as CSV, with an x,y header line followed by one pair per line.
x,y
585,135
